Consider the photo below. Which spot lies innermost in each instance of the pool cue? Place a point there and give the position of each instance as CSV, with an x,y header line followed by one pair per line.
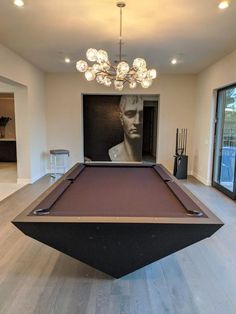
x,y
186,141
176,141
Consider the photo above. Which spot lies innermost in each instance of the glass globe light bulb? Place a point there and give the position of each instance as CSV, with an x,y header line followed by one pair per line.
x,y
118,85
91,54
96,68
123,67
120,76
139,63
89,74
141,74
100,78
105,66
146,83
81,66
107,81
152,74
132,84
102,56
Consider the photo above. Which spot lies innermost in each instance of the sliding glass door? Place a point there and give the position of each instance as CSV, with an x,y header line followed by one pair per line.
x,y
224,172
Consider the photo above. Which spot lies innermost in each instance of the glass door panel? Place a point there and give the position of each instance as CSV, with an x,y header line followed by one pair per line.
x,y
224,173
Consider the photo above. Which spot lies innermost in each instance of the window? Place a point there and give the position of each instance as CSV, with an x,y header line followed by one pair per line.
x,y
224,173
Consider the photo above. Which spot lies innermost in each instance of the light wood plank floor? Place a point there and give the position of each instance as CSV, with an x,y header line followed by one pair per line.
x,y
8,179
37,279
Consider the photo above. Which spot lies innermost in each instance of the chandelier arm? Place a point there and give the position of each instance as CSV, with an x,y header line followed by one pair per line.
x,y
113,67
131,76
106,75
126,81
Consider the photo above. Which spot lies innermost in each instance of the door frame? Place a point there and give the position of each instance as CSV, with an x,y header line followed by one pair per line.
x,y
214,183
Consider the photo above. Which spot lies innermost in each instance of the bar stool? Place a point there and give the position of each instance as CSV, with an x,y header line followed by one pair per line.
x,y
59,161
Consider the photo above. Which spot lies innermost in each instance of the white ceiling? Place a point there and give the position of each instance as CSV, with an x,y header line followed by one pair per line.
x,y
45,31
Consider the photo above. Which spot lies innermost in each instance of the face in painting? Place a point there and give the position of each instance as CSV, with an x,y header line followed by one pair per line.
x,y
131,115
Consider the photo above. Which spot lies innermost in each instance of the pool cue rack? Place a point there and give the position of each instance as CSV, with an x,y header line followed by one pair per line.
x,y
180,158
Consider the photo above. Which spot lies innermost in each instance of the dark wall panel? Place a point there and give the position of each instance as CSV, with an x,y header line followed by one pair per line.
x,y
102,127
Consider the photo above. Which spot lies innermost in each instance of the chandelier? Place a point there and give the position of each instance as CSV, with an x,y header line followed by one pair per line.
x,y
119,74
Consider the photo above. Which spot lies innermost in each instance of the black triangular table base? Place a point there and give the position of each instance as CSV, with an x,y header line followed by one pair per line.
x,y
117,248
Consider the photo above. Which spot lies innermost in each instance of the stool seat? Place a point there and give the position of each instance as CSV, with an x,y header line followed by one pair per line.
x,y
59,160
59,152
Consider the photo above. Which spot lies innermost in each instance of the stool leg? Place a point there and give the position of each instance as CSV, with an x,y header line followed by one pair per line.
x,y
55,165
64,163
52,166
67,162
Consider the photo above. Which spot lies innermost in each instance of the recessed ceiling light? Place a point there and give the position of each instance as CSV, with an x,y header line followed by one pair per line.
x,y
67,60
19,3
173,61
223,5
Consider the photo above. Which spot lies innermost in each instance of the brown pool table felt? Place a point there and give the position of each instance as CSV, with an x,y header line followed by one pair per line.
x,y
119,191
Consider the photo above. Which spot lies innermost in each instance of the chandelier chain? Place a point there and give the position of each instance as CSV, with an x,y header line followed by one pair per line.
x,y
121,33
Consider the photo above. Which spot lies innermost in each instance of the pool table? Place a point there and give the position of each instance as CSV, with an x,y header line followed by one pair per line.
x,y
117,217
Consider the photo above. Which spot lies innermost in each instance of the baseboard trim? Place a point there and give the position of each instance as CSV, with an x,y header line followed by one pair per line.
x,y
37,177
30,180
23,181
201,179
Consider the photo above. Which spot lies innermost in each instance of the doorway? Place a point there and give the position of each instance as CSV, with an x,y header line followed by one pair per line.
x,y
8,167
224,169
149,131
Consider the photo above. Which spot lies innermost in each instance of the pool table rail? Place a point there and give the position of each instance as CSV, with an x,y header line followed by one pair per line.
x,y
65,181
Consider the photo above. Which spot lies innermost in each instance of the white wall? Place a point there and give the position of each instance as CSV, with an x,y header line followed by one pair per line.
x,y
27,83
65,120
220,74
